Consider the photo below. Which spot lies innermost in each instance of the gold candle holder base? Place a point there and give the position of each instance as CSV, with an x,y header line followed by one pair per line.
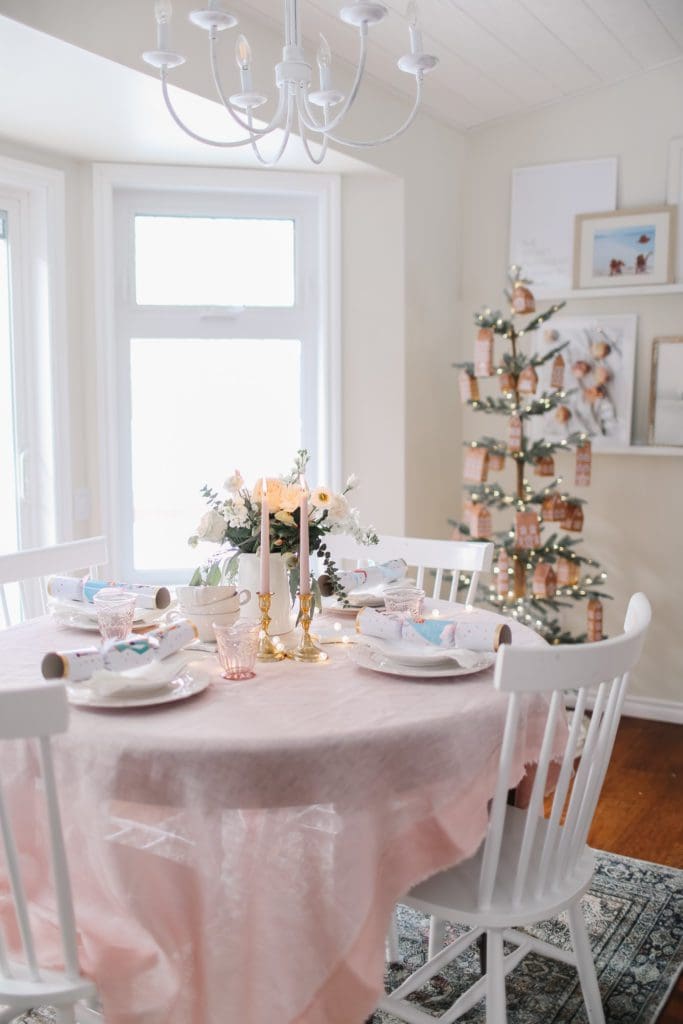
x,y
267,651
307,650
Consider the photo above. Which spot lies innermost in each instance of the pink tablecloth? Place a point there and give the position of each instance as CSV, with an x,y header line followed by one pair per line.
x,y
235,857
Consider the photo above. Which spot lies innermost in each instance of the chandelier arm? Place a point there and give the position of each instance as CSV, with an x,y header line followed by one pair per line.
x,y
305,110
324,144
188,131
394,135
277,117
271,161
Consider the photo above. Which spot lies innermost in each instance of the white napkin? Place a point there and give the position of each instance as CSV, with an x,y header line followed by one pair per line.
x,y
406,653
137,680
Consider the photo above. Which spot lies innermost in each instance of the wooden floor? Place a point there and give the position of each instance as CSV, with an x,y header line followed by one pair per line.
x,y
640,813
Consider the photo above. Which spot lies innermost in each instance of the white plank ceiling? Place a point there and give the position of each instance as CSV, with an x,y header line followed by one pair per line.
x,y
502,57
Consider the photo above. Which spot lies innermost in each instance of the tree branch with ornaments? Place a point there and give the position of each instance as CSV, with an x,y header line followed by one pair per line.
x,y
538,572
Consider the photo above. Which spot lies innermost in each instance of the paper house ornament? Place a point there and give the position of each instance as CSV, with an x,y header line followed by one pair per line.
x,y
483,353
519,587
527,533
573,517
480,522
568,572
554,508
467,507
584,458
594,616
469,387
506,382
515,434
522,299
544,466
527,381
562,414
557,372
503,577
544,581
476,468
496,460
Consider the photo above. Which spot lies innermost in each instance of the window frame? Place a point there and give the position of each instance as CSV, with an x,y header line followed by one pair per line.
x,y
121,191
34,197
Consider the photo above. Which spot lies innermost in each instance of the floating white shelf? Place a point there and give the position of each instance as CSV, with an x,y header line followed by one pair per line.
x,y
641,449
610,293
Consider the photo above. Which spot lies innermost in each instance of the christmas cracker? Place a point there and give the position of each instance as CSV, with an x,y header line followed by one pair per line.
x,y
446,633
360,579
118,655
71,588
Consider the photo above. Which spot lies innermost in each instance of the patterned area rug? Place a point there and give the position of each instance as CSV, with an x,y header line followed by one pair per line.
x,y
634,913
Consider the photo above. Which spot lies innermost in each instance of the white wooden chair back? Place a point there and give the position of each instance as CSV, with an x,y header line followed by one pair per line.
x,y
450,557
524,670
29,569
35,712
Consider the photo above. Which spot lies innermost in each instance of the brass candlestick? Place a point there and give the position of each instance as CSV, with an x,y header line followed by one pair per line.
x,y
267,651
307,650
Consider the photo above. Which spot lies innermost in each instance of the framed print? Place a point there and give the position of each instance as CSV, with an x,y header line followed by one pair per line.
x,y
599,358
624,247
666,392
544,202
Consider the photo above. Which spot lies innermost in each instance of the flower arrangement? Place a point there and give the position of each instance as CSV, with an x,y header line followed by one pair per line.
x,y
234,523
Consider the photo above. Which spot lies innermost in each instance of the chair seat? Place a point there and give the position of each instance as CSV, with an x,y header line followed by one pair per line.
x,y
53,988
453,894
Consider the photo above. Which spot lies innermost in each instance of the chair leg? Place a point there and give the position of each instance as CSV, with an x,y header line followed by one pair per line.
x,y
496,1011
437,936
585,965
393,950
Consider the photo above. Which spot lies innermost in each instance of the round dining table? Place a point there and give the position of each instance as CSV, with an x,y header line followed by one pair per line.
x,y
236,855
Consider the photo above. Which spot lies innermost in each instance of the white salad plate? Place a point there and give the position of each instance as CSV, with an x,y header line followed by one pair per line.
x,y
81,615
140,694
365,656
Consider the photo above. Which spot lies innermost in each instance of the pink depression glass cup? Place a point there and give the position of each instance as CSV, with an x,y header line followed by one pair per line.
x,y
115,612
402,600
237,648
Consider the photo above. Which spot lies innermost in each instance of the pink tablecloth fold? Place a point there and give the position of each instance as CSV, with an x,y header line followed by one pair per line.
x,y
237,856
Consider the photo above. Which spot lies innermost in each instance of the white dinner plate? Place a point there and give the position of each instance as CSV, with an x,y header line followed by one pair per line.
x,y
425,655
187,683
80,615
368,657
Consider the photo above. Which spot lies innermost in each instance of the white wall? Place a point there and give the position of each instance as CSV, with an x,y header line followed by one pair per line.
x,y
635,503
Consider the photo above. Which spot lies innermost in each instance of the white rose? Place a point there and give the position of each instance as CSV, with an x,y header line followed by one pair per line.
x,y
338,509
211,527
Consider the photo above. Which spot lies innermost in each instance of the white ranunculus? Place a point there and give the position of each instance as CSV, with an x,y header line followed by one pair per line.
x,y
338,509
211,527
236,512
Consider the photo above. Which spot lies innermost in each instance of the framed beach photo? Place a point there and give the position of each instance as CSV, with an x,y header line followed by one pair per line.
x,y
599,359
666,392
624,247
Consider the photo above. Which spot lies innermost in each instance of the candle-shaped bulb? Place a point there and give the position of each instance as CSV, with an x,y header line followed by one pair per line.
x,y
243,53
415,33
163,11
324,62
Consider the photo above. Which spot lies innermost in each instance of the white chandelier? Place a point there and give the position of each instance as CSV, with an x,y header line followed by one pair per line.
x,y
315,113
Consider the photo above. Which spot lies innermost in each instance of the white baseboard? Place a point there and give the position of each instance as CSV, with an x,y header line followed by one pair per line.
x,y
645,707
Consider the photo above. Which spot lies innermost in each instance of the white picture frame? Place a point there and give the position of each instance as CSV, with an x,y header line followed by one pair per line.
x,y
666,392
607,419
622,248
545,200
674,197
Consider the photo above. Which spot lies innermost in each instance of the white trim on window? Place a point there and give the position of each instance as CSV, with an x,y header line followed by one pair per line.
x,y
36,194
115,185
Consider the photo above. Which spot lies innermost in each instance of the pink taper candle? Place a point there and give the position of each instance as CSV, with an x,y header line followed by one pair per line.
x,y
304,560
265,539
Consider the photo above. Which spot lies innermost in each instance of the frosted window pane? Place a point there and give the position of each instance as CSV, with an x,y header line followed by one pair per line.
x,y
200,410
214,261
9,539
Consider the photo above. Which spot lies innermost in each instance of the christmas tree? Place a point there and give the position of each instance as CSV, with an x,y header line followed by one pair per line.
x,y
538,570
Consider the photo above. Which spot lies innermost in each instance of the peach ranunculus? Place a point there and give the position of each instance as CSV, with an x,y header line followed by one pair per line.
x,y
291,497
274,489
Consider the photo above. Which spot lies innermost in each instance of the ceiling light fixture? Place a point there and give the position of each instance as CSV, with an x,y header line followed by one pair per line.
x,y
317,114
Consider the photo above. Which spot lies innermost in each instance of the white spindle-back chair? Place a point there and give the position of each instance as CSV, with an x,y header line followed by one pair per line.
x,y
444,557
29,569
27,713
530,868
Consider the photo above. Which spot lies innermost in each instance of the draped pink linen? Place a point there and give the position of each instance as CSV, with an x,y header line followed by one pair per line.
x,y
236,856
